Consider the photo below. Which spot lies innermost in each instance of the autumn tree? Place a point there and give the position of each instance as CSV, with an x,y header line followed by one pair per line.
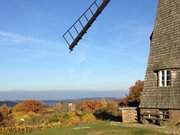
x,y
133,97
28,106
4,110
110,112
5,116
93,105
112,107
135,91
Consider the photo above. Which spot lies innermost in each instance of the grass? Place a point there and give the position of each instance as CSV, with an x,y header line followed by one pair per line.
x,y
100,128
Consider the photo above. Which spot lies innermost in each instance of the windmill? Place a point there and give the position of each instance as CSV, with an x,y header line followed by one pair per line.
x,y
161,94
160,99
75,33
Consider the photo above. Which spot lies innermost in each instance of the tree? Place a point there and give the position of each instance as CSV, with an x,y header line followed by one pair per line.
x,y
135,91
5,116
93,105
113,107
28,106
133,98
1,118
4,110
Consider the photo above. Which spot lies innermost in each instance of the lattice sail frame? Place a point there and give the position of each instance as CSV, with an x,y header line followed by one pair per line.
x,y
75,33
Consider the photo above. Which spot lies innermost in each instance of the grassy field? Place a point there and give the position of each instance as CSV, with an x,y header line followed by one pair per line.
x,y
101,128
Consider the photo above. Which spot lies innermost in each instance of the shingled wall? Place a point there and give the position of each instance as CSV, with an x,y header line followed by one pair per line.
x,y
164,54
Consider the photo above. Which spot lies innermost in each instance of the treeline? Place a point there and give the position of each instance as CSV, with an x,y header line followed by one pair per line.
x,y
33,112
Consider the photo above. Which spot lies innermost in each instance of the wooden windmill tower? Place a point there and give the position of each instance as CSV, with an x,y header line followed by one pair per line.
x,y
161,94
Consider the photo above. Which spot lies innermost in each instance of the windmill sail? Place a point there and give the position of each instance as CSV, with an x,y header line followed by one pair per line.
x,y
75,33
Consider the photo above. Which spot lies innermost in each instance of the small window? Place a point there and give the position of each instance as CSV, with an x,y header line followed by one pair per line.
x,y
164,78
168,78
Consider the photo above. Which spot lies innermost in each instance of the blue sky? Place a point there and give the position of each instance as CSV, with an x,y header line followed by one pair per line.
x,y
112,56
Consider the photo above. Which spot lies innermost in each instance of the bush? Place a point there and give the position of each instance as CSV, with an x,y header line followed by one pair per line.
x,y
70,118
29,118
54,118
72,121
105,115
88,118
69,115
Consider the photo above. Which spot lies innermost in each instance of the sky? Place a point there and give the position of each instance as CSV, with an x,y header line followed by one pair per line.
x,y
111,56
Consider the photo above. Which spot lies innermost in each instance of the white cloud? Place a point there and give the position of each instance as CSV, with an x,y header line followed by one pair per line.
x,y
15,38
29,47
10,38
36,48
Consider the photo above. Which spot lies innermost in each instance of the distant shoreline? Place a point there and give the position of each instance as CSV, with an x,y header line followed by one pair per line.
x,y
60,95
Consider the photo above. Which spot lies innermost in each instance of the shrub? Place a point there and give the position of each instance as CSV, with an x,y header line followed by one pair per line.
x,y
29,118
54,118
71,118
105,115
69,115
88,118
72,121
